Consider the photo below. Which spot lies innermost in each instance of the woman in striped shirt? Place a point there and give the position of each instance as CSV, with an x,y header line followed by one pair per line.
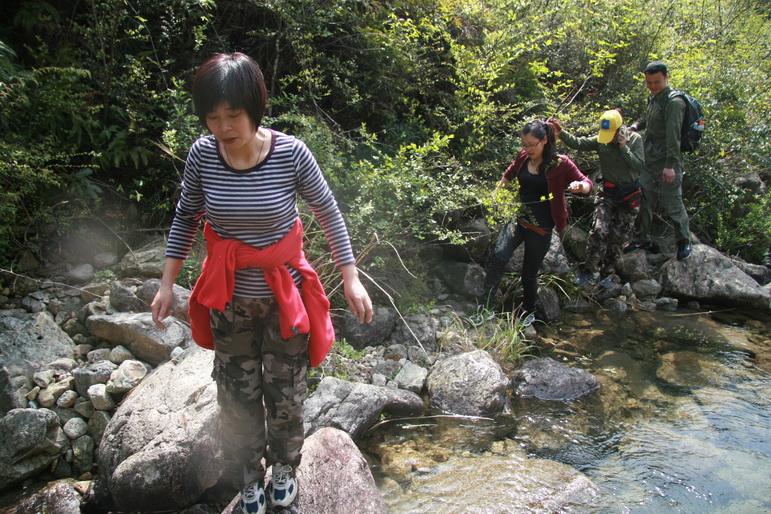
x,y
258,304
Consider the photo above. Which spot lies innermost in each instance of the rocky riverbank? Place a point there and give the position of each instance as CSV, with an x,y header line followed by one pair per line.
x,y
92,393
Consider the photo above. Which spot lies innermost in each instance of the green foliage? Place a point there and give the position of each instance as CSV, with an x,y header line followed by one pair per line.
x,y
749,233
412,108
503,338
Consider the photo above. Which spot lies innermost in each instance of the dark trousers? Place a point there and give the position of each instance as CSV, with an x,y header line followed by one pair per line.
x,y
536,248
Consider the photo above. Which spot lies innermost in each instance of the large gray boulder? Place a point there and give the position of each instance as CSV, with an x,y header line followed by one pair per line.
x,y
547,379
160,450
138,333
30,440
361,335
60,497
465,279
513,483
33,337
15,384
354,407
470,384
708,276
334,477
417,330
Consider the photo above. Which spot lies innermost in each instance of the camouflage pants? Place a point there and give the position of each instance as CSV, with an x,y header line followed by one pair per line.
x,y
261,382
671,198
612,228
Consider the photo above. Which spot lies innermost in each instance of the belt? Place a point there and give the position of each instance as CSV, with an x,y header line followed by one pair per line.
x,y
538,230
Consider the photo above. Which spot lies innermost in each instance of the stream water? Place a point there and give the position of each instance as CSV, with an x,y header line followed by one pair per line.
x,y
681,424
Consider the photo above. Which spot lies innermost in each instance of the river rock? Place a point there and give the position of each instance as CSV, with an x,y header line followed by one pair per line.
x,y
417,330
123,297
411,377
30,440
470,384
160,450
120,354
474,249
147,262
691,369
646,288
512,483
548,304
361,335
128,375
181,295
60,497
97,424
138,333
709,276
100,398
759,273
465,279
81,274
334,477
33,337
632,267
76,427
547,379
93,373
83,454
354,407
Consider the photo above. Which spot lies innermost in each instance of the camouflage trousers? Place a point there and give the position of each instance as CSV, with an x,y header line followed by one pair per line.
x,y
261,386
612,228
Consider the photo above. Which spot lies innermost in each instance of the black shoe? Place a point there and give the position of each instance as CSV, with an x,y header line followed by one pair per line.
x,y
683,250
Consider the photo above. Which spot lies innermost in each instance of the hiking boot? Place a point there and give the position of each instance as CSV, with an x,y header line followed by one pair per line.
x,y
253,499
282,488
647,246
683,250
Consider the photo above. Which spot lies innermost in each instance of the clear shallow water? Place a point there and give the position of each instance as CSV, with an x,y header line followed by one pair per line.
x,y
682,423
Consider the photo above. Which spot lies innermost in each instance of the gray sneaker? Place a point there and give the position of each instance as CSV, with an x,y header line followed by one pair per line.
x,y
482,315
282,488
527,319
253,499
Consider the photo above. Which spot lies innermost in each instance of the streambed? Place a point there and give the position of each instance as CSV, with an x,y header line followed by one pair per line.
x,y
681,423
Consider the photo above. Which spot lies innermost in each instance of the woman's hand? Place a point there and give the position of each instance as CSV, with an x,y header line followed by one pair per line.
x,y
162,306
357,297
163,303
555,125
578,187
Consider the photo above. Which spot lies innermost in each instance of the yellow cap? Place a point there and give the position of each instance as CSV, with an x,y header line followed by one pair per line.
x,y
609,124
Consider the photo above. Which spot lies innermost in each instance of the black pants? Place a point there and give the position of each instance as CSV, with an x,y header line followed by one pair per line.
x,y
536,247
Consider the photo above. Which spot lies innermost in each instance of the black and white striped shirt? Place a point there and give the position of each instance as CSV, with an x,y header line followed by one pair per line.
x,y
257,206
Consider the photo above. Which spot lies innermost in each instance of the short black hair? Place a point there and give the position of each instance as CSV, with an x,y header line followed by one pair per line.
x,y
233,78
655,67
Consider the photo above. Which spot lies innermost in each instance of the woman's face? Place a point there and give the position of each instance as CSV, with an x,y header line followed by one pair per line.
x,y
533,146
231,127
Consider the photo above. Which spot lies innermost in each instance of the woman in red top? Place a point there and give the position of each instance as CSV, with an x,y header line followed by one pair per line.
x,y
543,176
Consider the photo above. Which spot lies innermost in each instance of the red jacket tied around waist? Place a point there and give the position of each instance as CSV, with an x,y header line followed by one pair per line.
x,y
299,313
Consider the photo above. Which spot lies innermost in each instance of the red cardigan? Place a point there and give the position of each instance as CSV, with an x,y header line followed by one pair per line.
x,y
299,313
560,174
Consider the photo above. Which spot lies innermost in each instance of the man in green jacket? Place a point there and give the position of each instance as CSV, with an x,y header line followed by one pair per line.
x,y
621,161
662,177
